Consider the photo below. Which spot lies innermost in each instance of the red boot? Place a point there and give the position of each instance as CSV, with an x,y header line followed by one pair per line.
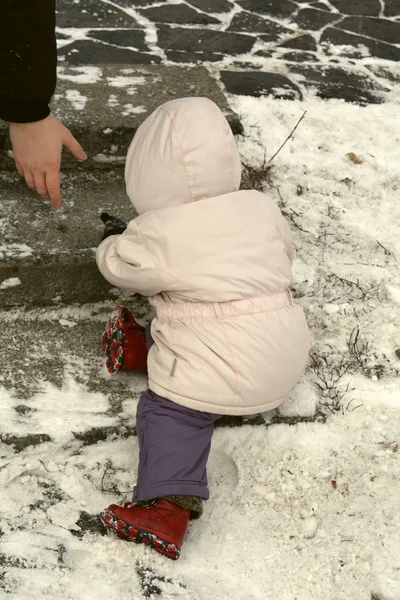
x,y
124,342
161,525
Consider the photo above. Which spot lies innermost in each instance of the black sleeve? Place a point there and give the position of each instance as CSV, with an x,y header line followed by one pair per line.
x,y
28,59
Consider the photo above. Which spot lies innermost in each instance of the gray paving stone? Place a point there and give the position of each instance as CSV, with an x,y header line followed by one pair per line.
x,y
320,5
338,37
380,29
91,13
111,107
370,8
21,442
56,348
273,8
51,252
313,19
300,56
200,40
301,42
178,13
135,3
256,83
134,38
197,58
248,22
391,73
334,82
392,8
87,52
212,6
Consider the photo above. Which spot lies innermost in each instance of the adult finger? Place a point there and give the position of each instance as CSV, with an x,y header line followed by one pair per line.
x,y
30,180
19,168
74,147
53,187
40,185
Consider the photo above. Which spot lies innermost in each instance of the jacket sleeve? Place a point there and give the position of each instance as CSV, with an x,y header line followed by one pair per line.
x,y
283,230
128,262
28,59
287,238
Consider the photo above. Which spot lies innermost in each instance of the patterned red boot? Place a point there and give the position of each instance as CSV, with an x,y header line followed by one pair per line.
x,y
162,524
124,342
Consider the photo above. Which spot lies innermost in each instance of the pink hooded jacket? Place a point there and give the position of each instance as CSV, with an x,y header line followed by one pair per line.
x,y
215,262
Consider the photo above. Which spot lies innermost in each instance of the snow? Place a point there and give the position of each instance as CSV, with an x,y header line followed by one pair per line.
x,y
301,511
121,81
129,109
67,323
77,99
15,250
9,283
86,74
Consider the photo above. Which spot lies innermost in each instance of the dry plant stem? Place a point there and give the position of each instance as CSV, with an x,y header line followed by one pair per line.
x,y
109,467
352,283
383,247
290,215
288,137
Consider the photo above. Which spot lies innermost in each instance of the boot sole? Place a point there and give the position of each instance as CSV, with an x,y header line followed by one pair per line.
x,y
113,345
130,533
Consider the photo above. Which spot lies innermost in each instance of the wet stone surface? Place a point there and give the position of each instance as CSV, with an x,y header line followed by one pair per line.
x,y
314,19
247,35
178,13
358,7
333,82
259,84
355,45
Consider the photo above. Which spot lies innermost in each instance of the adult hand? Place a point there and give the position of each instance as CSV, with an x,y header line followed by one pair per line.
x,y
37,151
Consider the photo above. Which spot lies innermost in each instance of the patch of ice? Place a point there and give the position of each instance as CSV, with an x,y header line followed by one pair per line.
x,y
122,81
67,323
77,99
109,159
393,293
10,283
129,109
15,251
331,309
88,74
301,402
112,101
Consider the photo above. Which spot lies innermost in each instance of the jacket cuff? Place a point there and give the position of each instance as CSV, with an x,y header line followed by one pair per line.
x,y
14,111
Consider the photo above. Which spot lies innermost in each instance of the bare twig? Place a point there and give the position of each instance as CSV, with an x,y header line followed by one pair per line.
x,y
355,284
383,247
292,220
358,406
288,137
44,465
108,467
289,215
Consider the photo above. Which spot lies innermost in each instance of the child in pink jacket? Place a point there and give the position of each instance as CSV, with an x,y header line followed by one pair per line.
x,y
215,263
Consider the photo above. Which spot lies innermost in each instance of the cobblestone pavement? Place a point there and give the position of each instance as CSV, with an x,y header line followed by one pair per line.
x,y
347,49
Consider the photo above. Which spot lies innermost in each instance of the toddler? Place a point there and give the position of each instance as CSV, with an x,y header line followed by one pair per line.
x,y
215,263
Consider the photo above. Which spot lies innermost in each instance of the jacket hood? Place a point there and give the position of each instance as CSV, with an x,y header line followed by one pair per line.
x,y
183,152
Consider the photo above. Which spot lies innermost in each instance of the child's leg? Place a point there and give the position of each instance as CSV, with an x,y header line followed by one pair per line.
x,y
174,445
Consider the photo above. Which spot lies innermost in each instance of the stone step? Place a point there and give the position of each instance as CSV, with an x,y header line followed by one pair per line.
x,y
55,354
48,253
103,105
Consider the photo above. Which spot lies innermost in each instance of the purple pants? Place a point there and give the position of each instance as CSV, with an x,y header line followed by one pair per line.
x,y
174,444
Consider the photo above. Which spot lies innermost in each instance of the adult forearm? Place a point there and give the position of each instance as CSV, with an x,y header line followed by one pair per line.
x,y
28,58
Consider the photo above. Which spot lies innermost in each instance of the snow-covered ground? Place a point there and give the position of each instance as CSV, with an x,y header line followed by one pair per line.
x,y
308,511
